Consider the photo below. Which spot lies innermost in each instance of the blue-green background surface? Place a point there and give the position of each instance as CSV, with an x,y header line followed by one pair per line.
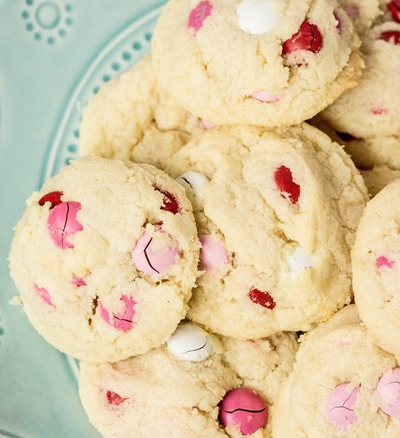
x,y
54,55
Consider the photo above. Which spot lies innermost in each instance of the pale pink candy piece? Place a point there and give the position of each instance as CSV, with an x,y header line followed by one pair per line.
x,y
44,295
263,96
123,320
62,223
199,14
150,260
206,124
78,281
379,111
340,406
352,11
384,261
389,391
212,254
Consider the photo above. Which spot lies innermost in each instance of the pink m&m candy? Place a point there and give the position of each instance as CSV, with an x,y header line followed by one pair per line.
x,y
389,391
307,38
199,14
212,254
245,409
123,320
340,406
265,97
62,223
148,258
43,293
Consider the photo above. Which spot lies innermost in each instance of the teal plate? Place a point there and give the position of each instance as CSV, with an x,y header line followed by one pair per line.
x,y
54,56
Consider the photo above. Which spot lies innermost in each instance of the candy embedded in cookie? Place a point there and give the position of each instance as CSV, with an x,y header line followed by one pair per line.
x,y
244,409
266,221
105,258
342,384
296,57
190,342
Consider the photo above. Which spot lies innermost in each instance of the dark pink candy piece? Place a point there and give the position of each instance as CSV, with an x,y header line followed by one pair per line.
x,y
170,202
44,295
307,38
62,223
389,391
284,180
391,36
122,321
53,197
114,399
78,281
394,9
384,261
199,14
338,22
245,409
379,111
263,299
340,406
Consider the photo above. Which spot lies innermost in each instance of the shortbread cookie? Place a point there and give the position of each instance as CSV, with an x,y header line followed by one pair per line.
x,y
105,257
129,119
372,108
363,13
276,213
376,274
197,385
255,61
342,385
379,177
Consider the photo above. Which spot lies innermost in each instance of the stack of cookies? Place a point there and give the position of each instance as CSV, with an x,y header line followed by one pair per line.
x,y
200,257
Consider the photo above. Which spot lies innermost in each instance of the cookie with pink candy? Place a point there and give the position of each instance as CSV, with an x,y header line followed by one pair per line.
x,y
342,384
276,213
105,257
367,117
131,119
258,62
362,13
376,262
196,385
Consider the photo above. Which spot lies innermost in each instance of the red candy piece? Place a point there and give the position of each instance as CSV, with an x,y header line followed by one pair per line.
x,y
170,202
308,38
114,399
53,197
394,9
390,36
264,299
284,180
199,14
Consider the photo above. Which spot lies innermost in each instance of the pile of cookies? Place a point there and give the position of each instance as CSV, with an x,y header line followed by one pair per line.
x,y
200,257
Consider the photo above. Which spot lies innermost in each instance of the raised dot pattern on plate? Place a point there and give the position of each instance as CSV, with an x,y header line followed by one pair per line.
x,y
47,21
126,49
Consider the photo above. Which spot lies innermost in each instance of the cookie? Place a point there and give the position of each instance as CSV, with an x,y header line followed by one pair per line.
x,y
255,62
276,213
342,384
196,385
129,119
372,108
105,257
375,259
379,177
363,13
